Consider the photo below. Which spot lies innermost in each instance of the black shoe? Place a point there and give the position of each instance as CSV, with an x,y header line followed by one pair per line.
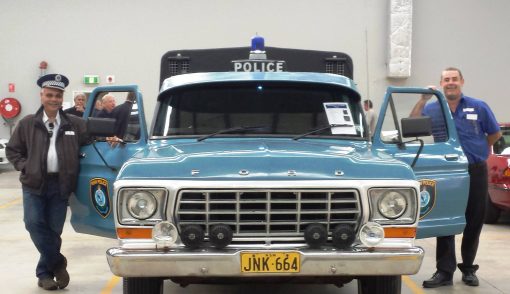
x,y
47,284
438,279
470,279
469,274
61,275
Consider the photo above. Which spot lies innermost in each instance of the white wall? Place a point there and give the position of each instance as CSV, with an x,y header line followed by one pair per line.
x,y
127,38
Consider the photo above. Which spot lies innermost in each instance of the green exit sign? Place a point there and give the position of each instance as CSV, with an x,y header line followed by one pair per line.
x,y
90,79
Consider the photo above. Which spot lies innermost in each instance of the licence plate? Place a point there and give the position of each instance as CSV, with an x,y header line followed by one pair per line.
x,y
270,262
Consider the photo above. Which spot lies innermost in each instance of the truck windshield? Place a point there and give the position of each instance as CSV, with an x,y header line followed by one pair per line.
x,y
282,109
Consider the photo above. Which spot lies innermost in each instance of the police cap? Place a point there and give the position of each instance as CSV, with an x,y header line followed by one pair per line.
x,y
55,81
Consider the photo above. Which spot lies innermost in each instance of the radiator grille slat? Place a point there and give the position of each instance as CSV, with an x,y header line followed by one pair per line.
x,y
268,213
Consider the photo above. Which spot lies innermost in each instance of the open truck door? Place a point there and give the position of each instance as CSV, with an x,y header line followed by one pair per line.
x,y
441,166
92,206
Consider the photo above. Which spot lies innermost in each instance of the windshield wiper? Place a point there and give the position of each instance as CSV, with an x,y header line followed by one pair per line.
x,y
320,129
233,130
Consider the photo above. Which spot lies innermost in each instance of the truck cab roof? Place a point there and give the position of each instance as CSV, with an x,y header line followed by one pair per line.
x,y
274,77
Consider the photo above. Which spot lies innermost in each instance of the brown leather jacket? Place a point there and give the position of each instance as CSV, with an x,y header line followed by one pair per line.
x,y
28,148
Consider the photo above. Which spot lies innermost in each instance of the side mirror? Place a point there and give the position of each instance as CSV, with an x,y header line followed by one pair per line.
x,y
101,127
416,126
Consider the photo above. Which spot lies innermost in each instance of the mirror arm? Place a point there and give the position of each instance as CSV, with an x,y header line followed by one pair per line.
x,y
419,149
417,153
402,146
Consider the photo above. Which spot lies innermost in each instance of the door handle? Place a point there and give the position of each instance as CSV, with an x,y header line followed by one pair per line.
x,y
451,157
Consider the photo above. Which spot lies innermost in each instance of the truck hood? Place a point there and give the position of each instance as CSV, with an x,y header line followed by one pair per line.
x,y
262,159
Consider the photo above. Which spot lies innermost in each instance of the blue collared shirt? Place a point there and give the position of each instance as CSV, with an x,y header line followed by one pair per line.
x,y
474,120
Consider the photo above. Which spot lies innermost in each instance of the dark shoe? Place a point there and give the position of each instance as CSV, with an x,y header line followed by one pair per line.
x,y
469,274
47,284
61,275
438,279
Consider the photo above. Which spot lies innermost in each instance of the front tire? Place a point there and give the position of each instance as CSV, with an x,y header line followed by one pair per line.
x,y
143,286
491,212
380,285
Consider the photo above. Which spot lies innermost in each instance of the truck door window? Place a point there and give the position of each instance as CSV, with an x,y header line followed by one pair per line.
x,y
400,106
123,107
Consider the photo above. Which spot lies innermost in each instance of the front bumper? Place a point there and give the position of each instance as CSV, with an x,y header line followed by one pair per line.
x,y
226,263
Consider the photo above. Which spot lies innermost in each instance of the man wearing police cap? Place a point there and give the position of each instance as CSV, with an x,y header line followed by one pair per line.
x,y
45,149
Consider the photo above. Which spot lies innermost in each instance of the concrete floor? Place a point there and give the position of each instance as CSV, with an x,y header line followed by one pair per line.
x,y
90,272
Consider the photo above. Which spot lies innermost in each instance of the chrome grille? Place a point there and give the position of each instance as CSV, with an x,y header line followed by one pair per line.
x,y
267,213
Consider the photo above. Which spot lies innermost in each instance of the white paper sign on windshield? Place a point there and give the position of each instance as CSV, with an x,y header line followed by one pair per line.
x,y
339,113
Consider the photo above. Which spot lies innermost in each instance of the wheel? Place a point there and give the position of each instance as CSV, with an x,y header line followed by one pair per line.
x,y
380,285
143,286
491,212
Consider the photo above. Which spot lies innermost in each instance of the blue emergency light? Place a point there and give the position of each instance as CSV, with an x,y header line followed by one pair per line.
x,y
257,43
257,61
258,51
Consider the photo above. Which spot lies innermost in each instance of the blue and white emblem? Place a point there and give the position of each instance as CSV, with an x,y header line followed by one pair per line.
x,y
100,196
427,196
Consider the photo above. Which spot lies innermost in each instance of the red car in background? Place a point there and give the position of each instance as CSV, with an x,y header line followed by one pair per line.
x,y
498,166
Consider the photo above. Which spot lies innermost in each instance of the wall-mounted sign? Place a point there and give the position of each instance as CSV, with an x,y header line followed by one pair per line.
x,y
90,79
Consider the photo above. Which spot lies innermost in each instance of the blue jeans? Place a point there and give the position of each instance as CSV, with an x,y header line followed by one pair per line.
x,y
44,217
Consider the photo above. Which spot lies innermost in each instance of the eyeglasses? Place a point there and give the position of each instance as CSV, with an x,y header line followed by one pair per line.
x,y
50,132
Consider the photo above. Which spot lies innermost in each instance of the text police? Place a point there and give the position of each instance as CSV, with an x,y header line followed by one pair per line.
x,y
259,65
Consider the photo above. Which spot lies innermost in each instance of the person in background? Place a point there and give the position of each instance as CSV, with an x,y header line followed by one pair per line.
x,y
45,149
122,113
80,100
478,130
98,106
370,115
108,104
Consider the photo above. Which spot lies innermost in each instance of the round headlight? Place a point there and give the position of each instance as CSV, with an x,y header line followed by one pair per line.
x,y
164,234
142,205
371,234
392,204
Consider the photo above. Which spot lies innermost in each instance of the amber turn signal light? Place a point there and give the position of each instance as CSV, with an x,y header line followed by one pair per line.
x,y
134,233
393,232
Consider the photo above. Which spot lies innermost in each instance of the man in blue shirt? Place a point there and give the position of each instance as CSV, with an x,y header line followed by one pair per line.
x,y
478,129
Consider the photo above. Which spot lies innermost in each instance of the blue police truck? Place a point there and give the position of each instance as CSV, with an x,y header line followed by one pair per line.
x,y
258,166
